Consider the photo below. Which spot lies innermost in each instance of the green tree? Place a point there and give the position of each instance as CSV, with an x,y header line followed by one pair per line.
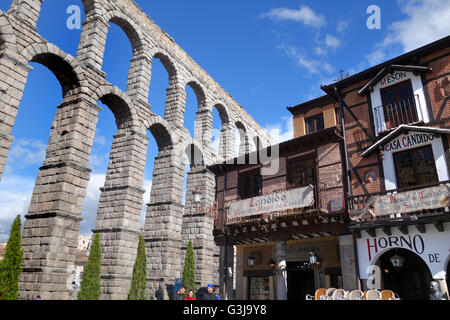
x,y
90,285
139,281
189,269
10,267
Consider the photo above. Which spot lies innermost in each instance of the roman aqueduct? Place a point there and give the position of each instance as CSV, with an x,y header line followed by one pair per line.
x,y
52,223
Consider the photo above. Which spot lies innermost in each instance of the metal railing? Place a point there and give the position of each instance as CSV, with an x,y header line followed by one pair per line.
x,y
404,111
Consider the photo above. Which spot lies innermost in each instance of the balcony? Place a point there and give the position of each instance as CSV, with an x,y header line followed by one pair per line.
x,y
424,202
392,114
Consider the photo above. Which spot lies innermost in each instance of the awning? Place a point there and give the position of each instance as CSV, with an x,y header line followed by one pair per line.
x,y
389,69
401,129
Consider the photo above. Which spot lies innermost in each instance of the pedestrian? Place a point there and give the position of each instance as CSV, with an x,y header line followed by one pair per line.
x,y
209,295
216,292
159,294
190,295
179,295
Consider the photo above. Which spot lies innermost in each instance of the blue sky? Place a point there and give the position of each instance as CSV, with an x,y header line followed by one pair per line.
x,y
267,54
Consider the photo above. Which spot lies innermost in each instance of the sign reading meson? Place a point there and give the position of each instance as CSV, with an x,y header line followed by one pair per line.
x,y
280,201
410,140
393,78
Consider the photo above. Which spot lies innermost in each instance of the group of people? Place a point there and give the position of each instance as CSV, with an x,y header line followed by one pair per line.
x,y
210,294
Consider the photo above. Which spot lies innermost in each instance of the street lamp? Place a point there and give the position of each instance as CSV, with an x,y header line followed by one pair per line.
x,y
197,195
251,260
397,261
312,258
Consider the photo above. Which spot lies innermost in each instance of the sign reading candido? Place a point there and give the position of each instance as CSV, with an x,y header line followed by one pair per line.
x,y
410,140
280,201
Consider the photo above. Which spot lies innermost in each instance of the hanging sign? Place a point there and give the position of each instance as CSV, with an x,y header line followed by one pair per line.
x,y
280,201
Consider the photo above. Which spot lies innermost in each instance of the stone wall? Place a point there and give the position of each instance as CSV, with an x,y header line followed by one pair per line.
x,y
51,229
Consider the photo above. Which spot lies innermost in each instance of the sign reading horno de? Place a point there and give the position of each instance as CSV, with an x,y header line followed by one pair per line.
x,y
275,202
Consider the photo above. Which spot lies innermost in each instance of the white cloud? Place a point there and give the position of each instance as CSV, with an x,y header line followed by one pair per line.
x,y
281,132
320,51
313,66
426,21
304,15
25,152
342,26
15,197
332,42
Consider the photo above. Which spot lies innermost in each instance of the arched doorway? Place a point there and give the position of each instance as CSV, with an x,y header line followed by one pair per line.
x,y
411,281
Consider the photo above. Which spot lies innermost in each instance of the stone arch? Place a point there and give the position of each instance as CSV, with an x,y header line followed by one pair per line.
x,y
161,132
243,135
168,64
69,74
223,112
193,150
129,27
120,104
199,93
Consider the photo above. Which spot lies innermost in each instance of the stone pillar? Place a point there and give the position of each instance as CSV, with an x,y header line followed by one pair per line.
x,y
348,262
227,141
138,84
162,231
203,128
198,223
91,48
281,273
118,218
175,104
13,76
226,272
50,234
26,10
244,146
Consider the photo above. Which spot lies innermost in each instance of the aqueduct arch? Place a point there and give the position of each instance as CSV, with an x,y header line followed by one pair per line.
x,y
53,220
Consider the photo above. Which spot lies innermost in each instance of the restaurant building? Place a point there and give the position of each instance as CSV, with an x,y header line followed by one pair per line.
x,y
397,128
281,221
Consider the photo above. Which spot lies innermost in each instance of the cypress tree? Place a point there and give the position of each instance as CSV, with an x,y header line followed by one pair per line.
x,y
139,281
90,285
189,269
10,267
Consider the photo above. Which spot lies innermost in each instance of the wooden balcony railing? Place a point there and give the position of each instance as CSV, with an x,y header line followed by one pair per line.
x,y
398,203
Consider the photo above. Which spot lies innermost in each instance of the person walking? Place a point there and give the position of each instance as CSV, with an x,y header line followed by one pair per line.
x,y
179,295
190,295
209,295
216,292
159,294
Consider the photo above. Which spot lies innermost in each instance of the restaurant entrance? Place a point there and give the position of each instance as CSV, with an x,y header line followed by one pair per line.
x,y
300,280
410,281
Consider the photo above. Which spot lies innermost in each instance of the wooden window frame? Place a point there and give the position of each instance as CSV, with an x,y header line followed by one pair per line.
x,y
289,167
314,118
252,173
414,165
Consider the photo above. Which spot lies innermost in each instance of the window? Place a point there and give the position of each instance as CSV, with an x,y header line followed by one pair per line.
x,y
314,124
415,167
302,172
399,104
250,184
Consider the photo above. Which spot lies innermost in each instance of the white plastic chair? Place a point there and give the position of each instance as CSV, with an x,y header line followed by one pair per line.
x,y
338,294
356,295
373,295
